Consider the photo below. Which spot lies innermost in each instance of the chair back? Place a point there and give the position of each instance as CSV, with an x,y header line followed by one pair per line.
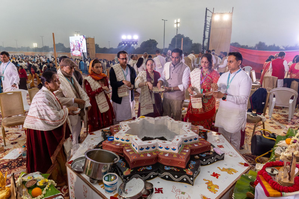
x,y
11,104
295,85
283,96
269,82
247,68
32,93
24,98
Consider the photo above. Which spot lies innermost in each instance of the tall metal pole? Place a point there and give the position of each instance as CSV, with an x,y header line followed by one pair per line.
x,y
164,34
42,40
176,25
204,31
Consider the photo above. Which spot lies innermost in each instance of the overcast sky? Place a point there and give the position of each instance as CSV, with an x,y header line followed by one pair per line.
x,y
270,21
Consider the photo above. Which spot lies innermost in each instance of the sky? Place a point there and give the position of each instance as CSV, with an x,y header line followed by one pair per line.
x,y
25,21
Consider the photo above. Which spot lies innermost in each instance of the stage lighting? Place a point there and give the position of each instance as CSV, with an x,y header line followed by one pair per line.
x,y
124,37
34,45
129,37
135,37
216,17
225,17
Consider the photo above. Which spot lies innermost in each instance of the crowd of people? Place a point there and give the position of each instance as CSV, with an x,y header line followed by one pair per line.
x,y
105,96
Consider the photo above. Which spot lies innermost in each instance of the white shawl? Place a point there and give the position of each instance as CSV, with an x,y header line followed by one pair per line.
x,y
122,90
45,113
166,70
100,98
147,99
195,76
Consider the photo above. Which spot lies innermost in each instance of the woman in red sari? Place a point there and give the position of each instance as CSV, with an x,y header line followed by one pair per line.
x,y
266,67
47,130
294,69
205,115
101,114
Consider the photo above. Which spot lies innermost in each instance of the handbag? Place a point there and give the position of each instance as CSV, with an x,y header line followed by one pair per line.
x,y
261,145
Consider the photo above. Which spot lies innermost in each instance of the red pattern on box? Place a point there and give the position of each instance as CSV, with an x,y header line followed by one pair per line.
x,y
135,159
114,129
116,147
200,147
175,159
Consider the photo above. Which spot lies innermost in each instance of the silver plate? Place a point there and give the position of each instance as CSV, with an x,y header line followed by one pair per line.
x,y
78,164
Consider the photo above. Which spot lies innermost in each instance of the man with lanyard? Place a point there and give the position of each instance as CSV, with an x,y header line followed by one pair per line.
x,y
9,73
233,88
71,93
122,81
175,78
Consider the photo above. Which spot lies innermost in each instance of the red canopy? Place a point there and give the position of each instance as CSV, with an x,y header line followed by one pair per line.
x,y
256,58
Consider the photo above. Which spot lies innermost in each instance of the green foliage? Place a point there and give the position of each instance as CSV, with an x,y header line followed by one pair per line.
x,y
291,133
149,46
243,185
176,43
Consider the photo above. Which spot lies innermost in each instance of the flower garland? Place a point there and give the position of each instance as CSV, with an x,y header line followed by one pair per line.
x,y
275,185
20,181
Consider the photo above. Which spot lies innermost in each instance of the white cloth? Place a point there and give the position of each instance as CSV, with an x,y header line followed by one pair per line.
x,y
10,75
66,95
185,80
100,97
159,62
45,113
147,98
195,77
224,63
232,114
260,194
125,110
122,91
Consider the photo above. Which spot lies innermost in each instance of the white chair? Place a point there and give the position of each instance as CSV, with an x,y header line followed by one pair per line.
x,y
24,98
281,97
247,68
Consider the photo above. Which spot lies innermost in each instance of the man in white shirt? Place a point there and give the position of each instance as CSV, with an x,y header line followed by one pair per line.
x,y
223,64
159,62
175,78
198,60
9,73
193,59
233,87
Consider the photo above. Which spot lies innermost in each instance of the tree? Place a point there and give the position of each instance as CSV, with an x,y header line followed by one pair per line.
x,y
187,43
261,46
149,46
196,47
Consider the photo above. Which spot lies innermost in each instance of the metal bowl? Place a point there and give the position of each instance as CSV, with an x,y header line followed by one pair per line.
x,y
98,162
78,164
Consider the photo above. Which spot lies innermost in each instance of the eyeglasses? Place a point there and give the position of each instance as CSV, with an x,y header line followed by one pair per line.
x,y
123,58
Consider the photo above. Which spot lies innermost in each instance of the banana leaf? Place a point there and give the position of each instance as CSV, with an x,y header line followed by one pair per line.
x,y
243,185
291,133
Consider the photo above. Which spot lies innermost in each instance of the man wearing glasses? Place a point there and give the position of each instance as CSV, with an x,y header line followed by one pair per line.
x,y
71,93
175,78
233,88
122,81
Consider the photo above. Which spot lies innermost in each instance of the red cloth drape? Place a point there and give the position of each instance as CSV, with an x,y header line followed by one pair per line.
x,y
41,146
256,58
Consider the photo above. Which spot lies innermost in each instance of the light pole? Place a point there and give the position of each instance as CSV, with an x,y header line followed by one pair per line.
x,y
164,34
109,44
176,25
42,41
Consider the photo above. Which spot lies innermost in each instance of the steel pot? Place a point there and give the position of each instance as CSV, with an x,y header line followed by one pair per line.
x,y
98,162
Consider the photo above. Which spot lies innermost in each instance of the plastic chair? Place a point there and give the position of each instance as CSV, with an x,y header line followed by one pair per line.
x,y
11,115
32,93
247,68
283,97
269,82
24,97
